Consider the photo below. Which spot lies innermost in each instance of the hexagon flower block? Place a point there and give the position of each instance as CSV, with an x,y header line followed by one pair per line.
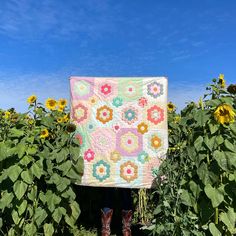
x,y
122,128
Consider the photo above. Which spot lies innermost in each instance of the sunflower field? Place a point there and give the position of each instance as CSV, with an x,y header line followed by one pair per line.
x,y
196,183
38,165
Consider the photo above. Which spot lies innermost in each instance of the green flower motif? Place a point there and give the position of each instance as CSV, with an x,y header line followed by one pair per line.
x,y
101,170
130,114
117,102
143,157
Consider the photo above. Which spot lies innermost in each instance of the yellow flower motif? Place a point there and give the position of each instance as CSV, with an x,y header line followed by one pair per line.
x,y
51,104
93,100
142,128
155,142
31,99
171,107
115,156
44,133
60,119
221,81
62,102
224,114
6,114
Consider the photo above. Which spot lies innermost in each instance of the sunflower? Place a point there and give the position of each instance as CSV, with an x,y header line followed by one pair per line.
x,y
177,119
221,81
62,102
44,133
171,107
51,104
60,119
71,128
66,117
232,88
61,108
142,128
224,114
155,142
7,114
31,99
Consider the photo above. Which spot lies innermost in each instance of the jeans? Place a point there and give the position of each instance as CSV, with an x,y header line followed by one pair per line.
x,y
124,195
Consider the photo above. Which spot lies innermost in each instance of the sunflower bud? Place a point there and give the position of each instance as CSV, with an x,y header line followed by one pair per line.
x,y
70,128
232,88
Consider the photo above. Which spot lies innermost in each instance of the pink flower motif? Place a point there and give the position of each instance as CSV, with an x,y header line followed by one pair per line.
x,y
116,128
106,89
142,102
155,114
80,138
89,155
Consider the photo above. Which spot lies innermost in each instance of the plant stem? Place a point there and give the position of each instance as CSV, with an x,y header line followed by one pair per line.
x,y
216,215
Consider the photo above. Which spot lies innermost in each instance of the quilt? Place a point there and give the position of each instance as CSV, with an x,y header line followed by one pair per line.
x,y
122,129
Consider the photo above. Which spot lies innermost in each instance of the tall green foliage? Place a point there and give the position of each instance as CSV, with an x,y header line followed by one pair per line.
x,y
39,162
197,182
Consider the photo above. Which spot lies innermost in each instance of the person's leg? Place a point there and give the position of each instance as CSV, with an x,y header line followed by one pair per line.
x,y
126,197
127,210
107,210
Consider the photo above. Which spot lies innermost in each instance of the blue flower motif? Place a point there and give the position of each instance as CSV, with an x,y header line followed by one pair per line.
x,y
90,127
117,102
143,157
101,170
129,114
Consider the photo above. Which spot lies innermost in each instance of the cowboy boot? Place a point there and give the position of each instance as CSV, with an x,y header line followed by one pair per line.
x,y
126,221
106,221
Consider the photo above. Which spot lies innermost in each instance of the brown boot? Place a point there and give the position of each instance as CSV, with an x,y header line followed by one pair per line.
x,y
126,221
106,221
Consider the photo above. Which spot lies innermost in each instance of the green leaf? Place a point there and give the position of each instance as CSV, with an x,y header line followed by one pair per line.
x,y
229,219
5,151
195,188
22,207
213,127
26,160
15,133
201,116
40,216
63,184
215,195
52,200
58,213
203,173
48,229
30,229
19,188
221,159
186,198
198,143
37,169
33,193
65,167
230,146
27,176
233,128
20,149
75,212
15,217
214,231
14,172
5,199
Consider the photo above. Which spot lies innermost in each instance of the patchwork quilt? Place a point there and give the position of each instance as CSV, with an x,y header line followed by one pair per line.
x,y
122,128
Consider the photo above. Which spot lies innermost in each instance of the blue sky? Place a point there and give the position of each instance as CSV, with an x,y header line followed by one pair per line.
x,y
42,43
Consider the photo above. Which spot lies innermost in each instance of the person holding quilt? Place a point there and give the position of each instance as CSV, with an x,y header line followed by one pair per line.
x,y
122,128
